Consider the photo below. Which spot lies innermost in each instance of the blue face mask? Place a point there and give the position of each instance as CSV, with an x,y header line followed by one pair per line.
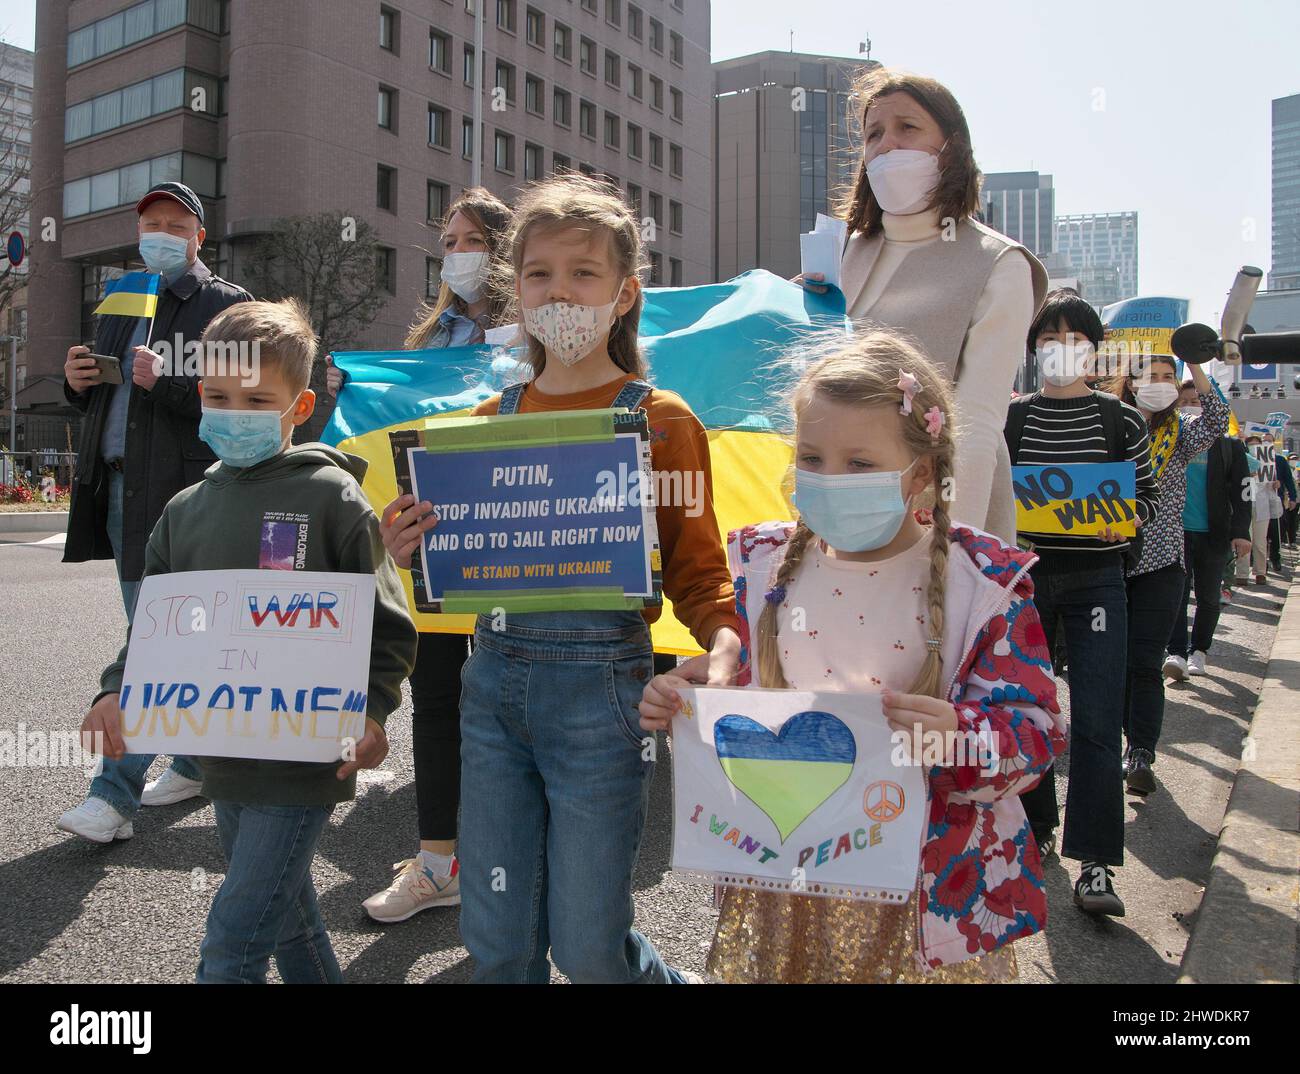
x,y
164,253
852,512
242,437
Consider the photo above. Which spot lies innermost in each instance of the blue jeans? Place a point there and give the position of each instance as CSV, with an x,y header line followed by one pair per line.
x,y
1090,607
121,783
267,905
555,783
1153,602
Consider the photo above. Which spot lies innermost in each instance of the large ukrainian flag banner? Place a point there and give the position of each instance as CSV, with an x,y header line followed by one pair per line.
x,y
717,346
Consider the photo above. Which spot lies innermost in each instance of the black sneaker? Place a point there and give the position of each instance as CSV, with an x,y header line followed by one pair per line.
x,y
1046,841
1094,893
1137,772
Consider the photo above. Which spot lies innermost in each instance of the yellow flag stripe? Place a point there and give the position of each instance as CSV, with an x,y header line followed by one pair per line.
x,y
127,304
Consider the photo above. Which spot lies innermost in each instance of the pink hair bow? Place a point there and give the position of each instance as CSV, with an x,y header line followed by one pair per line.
x,y
907,384
934,422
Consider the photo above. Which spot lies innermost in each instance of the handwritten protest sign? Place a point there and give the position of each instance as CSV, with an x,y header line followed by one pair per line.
x,y
1079,500
797,791
536,512
249,663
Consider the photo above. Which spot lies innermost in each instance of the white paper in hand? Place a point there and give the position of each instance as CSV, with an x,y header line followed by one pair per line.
x,y
822,249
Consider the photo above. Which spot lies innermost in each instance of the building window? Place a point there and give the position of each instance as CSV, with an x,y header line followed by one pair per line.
x,y
127,184
674,160
612,127
674,272
535,28
657,208
656,93
634,191
587,119
561,102
439,52
532,161
613,68
506,15
634,22
534,95
467,67
563,43
439,127
656,36
505,79
675,217
388,108
634,81
677,103
679,5
505,152
589,5
467,137
432,277
656,267
675,47
437,198
138,22
656,151
385,189
634,141
388,29
587,56
560,163
586,169
614,12
386,269
140,101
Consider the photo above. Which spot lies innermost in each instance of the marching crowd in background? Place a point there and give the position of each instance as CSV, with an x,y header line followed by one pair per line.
x,y
528,740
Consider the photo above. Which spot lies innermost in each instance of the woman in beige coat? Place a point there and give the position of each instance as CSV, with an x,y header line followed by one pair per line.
x,y
916,260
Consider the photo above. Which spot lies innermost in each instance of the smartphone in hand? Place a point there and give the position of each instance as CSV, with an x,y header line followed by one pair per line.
x,y
110,368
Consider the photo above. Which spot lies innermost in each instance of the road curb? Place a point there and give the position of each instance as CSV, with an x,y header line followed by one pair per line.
x,y
1246,927
33,521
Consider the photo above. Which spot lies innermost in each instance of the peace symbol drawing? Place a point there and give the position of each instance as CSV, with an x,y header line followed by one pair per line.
x,y
884,801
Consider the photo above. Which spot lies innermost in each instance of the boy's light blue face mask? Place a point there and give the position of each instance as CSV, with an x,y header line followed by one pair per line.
x,y
243,437
164,253
852,512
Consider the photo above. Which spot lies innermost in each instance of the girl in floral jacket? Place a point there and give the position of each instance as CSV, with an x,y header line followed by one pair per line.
x,y
860,596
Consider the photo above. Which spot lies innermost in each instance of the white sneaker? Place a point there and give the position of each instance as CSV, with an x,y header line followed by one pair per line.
x,y
1196,664
1175,668
97,821
413,890
169,788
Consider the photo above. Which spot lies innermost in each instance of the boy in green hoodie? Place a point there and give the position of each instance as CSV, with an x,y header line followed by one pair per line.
x,y
270,814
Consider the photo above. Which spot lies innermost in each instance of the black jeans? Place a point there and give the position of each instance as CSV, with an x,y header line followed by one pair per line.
x,y
1153,600
435,731
1275,543
1289,524
1205,574
1091,607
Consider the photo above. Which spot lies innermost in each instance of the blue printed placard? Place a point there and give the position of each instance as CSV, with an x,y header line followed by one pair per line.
x,y
1078,500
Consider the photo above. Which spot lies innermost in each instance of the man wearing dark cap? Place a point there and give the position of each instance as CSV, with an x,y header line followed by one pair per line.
x,y
139,447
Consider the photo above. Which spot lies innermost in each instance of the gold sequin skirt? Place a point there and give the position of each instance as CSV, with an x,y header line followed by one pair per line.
x,y
767,937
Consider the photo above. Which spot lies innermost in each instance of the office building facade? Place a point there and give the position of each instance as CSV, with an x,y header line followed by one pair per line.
x,y
357,108
783,152
15,191
1285,273
1021,205
1103,252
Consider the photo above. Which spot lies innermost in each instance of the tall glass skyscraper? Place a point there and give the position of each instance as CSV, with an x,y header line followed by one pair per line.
x,y
1285,274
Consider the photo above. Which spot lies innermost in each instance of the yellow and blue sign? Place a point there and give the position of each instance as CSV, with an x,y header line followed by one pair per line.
x,y
1079,500
716,345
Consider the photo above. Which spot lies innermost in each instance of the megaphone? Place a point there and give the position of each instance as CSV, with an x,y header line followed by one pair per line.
x,y
1195,344
1236,310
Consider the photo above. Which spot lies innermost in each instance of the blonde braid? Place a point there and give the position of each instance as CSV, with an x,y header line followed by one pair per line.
x,y
929,679
768,660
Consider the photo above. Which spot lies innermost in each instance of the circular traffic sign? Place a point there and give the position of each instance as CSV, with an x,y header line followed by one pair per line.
x,y
883,801
16,248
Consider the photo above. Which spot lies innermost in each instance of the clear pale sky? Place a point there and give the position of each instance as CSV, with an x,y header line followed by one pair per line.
x,y
1184,136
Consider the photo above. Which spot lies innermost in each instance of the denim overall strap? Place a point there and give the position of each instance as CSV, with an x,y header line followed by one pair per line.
x,y
510,399
632,395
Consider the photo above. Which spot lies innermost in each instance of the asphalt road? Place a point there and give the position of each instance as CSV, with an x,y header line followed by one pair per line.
x,y
134,910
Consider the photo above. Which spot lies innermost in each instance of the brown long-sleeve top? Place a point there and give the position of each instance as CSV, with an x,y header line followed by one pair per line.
x,y
695,572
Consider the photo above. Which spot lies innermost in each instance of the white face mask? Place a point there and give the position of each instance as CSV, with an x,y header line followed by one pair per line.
x,y
569,332
1060,365
466,274
903,180
1155,397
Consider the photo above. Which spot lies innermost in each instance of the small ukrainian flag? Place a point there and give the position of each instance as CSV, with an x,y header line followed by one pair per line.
x,y
132,295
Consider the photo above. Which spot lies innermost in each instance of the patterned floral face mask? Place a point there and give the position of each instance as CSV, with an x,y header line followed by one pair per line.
x,y
569,332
